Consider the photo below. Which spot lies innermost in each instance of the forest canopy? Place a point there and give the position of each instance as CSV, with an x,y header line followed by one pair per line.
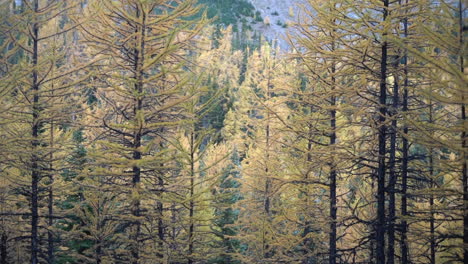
x,y
177,131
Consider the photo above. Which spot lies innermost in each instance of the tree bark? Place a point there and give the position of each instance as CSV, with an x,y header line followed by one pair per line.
x,y
382,133
3,248
192,193
464,165
307,224
333,173
36,124
405,151
138,67
392,172
266,246
50,234
160,211
432,241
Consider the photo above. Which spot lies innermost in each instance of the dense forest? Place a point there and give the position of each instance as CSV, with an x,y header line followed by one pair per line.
x,y
174,131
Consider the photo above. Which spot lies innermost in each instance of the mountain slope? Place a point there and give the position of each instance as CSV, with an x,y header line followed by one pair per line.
x,y
277,15
270,18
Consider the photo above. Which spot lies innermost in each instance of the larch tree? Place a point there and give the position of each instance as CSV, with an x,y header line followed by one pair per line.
x,y
443,133
41,97
264,210
142,46
368,26
319,51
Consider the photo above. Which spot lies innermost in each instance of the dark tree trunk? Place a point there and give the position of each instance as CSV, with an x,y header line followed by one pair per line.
x,y
192,193
138,106
432,241
35,176
333,208
50,234
307,224
160,210
98,252
464,165
465,189
392,175
382,133
432,226
3,248
405,151
266,246
136,204
99,242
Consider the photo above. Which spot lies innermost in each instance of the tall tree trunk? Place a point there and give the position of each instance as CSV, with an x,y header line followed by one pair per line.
x,y
432,230
173,231
50,223
372,243
382,133
432,221
266,246
160,207
405,151
98,253
464,165
160,211
333,208
50,233
99,242
267,181
136,200
3,248
307,224
36,125
138,105
192,193
392,172
432,241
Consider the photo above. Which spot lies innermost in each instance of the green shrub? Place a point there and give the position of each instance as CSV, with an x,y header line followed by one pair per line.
x,y
258,16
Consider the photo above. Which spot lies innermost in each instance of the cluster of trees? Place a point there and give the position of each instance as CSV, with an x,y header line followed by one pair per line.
x,y
132,131
387,94
228,12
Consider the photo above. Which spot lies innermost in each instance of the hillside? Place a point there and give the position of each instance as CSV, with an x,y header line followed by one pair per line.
x,y
270,18
279,13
